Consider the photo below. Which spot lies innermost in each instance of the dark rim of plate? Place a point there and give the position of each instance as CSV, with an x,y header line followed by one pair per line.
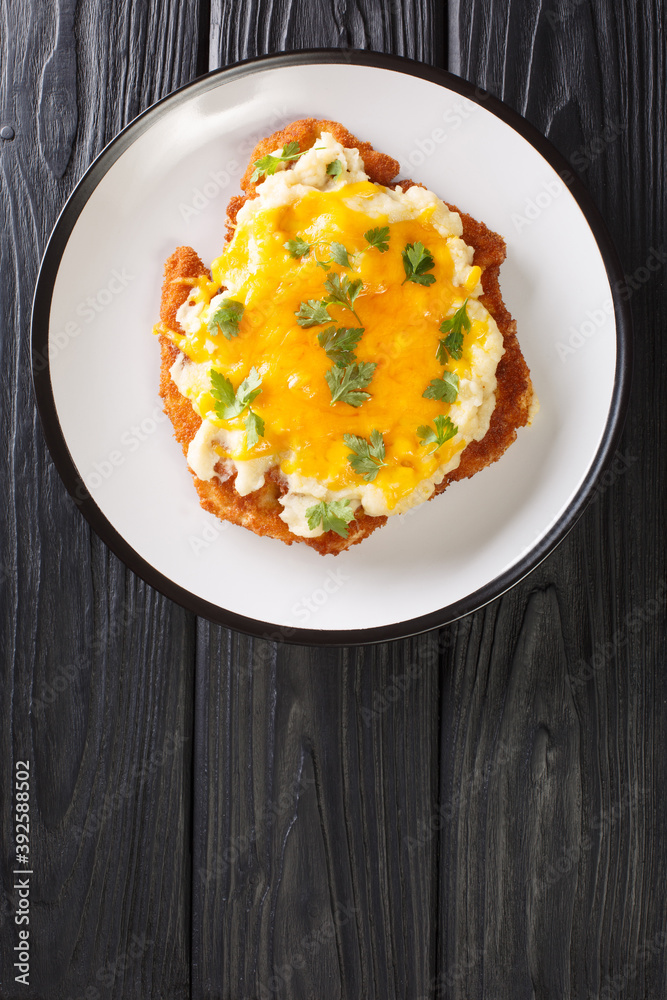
x,y
56,440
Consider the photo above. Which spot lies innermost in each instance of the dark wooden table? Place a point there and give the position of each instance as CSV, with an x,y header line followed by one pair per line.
x,y
474,813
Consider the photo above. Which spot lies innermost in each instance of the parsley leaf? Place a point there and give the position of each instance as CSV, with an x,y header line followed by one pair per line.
x,y
342,291
444,430
334,516
366,457
254,429
340,344
267,164
323,264
378,238
229,404
335,169
339,255
222,391
345,383
312,313
297,248
454,327
445,388
226,319
416,261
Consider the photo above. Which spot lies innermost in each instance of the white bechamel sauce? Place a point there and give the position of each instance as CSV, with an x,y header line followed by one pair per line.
x,y
476,398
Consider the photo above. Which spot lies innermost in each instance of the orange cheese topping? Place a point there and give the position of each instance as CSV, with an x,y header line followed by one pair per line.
x,y
401,323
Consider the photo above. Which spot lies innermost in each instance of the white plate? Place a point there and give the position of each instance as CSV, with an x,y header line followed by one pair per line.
x,y
165,181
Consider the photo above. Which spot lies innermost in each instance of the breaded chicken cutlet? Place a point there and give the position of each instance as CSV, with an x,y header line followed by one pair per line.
x,y
306,448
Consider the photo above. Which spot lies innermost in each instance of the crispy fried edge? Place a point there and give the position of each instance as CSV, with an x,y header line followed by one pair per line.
x,y
259,512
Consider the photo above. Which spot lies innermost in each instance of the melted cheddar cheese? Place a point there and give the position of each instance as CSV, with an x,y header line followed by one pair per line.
x,y
303,430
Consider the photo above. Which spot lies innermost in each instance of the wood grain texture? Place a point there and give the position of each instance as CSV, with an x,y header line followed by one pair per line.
x,y
578,807
96,686
475,813
413,28
311,878
325,900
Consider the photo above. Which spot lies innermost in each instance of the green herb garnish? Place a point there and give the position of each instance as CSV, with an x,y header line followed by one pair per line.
x,y
342,291
254,429
445,388
335,169
312,313
339,255
340,343
366,456
267,164
226,319
416,261
230,404
378,238
454,327
334,516
444,430
297,248
346,383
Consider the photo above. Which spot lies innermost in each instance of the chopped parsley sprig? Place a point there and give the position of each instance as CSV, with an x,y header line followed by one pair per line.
x,y
268,164
230,404
335,169
347,384
313,313
339,255
434,439
226,319
366,457
378,238
297,248
445,388
417,260
339,344
333,516
454,327
343,292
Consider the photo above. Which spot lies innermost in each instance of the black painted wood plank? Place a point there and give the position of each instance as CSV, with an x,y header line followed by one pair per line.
x,y
310,875
96,686
552,867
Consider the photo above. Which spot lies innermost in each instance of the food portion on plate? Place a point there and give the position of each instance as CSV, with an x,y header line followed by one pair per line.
x,y
348,355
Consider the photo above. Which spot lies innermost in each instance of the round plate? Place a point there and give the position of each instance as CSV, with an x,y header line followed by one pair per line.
x,y
165,181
